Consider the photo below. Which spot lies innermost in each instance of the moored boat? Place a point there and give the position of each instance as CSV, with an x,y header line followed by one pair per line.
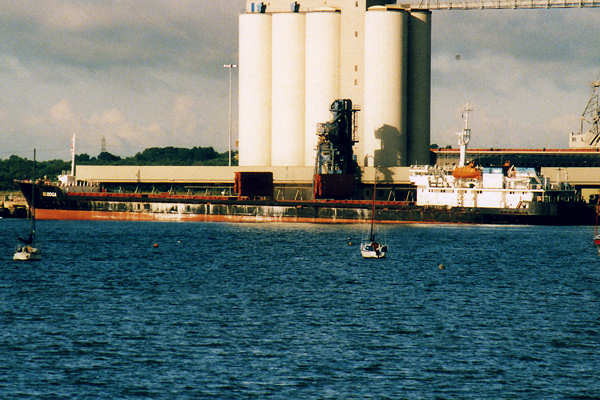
x,y
56,202
27,251
372,248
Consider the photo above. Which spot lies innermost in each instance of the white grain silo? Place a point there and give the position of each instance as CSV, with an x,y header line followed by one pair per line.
x,y
322,73
255,89
287,127
419,87
384,104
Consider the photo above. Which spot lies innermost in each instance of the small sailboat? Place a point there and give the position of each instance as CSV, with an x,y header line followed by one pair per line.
x,y
371,248
27,250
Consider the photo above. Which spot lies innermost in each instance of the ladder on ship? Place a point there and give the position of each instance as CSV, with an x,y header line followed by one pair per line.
x,y
460,201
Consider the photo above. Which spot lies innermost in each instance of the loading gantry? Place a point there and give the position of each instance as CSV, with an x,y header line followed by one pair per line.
x,y
336,138
589,129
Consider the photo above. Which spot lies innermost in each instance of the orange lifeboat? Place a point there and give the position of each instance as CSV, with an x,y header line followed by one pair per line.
x,y
466,172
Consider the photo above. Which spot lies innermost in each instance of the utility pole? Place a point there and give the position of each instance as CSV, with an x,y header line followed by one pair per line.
x,y
230,67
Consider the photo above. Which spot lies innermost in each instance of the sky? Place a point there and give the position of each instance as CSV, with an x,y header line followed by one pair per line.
x,y
150,73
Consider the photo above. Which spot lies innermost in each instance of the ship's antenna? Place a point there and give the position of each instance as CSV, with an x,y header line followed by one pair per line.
x,y
465,136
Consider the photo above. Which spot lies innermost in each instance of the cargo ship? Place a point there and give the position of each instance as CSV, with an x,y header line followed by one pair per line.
x,y
488,196
465,194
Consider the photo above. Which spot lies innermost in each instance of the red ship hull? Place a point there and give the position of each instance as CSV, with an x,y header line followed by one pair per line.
x,y
54,203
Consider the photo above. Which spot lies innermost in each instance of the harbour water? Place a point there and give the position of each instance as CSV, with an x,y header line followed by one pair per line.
x,y
289,311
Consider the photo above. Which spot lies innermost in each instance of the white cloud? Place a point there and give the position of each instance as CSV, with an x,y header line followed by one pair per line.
x,y
184,115
112,117
519,71
150,73
103,34
114,126
61,113
12,65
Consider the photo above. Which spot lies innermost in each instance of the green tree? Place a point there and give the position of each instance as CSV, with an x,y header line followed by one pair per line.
x,y
16,167
107,158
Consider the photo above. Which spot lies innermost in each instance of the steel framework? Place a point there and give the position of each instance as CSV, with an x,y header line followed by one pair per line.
x,y
500,4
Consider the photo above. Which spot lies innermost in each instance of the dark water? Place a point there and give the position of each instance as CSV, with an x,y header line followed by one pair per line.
x,y
291,311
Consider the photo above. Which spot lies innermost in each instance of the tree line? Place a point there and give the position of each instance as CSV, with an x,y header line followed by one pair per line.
x,y
16,167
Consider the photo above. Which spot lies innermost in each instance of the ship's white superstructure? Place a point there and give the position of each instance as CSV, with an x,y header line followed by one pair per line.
x,y
467,185
493,188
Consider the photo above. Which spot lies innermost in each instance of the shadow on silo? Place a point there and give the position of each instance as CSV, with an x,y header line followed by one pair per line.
x,y
393,147
392,152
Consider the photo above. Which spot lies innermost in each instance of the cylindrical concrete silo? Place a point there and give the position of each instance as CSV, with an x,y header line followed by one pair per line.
x,y
419,87
322,73
287,127
384,103
255,89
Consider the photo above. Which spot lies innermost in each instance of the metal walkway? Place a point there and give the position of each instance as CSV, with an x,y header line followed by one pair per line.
x,y
501,4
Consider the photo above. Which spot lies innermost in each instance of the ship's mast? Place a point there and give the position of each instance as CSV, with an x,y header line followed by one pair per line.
x,y
465,136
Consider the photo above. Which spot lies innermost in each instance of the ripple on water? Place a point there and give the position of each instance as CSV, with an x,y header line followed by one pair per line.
x,y
292,311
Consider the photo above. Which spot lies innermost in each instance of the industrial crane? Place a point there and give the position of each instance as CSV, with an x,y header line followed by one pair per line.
x,y
589,129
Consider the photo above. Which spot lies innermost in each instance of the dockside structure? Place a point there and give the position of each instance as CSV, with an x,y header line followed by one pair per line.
x,y
296,58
